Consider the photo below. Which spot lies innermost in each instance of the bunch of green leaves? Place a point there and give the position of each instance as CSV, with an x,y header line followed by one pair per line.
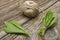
x,y
48,21
14,27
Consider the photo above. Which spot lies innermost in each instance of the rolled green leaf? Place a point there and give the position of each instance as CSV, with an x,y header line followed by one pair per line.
x,y
49,20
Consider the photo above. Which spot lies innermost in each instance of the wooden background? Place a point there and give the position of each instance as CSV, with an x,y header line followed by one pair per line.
x,y
10,10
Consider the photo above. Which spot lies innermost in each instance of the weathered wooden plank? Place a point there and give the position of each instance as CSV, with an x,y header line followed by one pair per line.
x,y
8,37
6,17
29,28
4,2
8,3
8,8
47,5
10,11
2,33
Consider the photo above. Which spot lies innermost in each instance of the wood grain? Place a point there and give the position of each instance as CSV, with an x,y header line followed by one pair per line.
x,y
11,11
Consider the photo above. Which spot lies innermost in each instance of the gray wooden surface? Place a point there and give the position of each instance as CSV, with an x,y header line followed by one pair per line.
x,y
10,10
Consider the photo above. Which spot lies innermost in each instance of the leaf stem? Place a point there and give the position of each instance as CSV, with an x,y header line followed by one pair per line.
x,y
42,31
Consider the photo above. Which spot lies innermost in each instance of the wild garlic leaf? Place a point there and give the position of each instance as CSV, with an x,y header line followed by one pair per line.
x,y
49,20
10,28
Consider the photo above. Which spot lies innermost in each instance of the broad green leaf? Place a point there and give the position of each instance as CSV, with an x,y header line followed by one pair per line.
x,y
10,28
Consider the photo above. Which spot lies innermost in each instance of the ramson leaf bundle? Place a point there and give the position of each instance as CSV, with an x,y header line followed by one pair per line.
x,y
48,21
